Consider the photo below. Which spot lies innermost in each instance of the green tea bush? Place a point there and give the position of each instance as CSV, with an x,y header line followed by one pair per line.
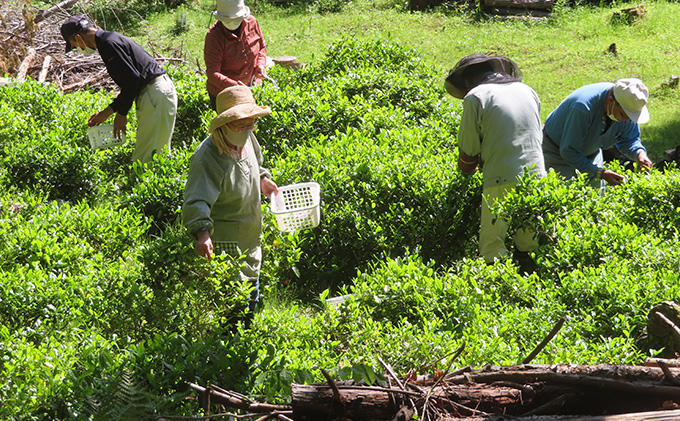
x,y
334,123
374,206
157,191
107,312
193,108
653,202
44,146
189,293
51,252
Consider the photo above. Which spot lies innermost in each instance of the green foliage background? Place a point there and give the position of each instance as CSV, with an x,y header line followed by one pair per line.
x,y
106,312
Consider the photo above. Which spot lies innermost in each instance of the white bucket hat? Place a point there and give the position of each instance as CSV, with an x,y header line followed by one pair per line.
x,y
231,9
632,95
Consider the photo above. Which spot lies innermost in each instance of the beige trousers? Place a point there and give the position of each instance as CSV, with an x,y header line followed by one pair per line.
x,y
493,230
156,107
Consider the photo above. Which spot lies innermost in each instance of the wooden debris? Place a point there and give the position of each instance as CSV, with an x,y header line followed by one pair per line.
x,y
518,9
536,392
672,82
520,4
31,46
25,63
61,7
45,68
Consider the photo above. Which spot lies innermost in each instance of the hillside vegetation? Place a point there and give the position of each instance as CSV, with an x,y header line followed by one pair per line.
x,y
557,55
106,312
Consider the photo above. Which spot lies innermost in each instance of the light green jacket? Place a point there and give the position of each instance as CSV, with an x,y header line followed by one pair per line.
x,y
223,195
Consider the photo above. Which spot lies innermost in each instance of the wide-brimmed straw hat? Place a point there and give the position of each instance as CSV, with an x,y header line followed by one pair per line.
x,y
632,95
231,9
234,103
455,82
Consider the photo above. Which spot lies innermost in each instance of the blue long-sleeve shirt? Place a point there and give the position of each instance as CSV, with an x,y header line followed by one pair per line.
x,y
579,128
129,66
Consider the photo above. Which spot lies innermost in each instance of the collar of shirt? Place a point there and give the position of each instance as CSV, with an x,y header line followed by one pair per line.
x,y
239,153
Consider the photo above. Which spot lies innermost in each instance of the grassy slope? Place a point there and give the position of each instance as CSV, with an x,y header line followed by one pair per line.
x,y
556,56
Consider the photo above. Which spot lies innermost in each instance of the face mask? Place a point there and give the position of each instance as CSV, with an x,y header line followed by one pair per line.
x,y
87,51
237,138
232,24
611,115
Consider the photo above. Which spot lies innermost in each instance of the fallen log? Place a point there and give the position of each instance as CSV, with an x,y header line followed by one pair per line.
x,y
670,362
44,14
532,391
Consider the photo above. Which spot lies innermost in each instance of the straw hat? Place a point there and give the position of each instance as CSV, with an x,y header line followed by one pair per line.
x,y
231,9
234,103
455,82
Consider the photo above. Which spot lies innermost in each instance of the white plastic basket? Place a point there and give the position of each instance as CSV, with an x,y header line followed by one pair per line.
x,y
101,137
296,206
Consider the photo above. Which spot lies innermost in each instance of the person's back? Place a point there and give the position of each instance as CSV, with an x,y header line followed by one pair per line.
x,y
508,118
500,133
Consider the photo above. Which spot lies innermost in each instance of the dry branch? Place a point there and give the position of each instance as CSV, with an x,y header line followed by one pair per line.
x,y
670,362
28,39
61,7
545,341
668,321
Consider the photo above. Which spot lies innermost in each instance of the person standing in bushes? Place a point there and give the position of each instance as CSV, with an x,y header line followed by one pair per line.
x,y
592,118
234,49
141,80
500,132
221,207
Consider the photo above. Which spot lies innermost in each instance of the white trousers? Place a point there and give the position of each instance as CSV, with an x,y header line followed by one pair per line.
x,y
156,107
493,230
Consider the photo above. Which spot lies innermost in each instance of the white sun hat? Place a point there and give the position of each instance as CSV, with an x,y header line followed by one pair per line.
x,y
632,95
231,9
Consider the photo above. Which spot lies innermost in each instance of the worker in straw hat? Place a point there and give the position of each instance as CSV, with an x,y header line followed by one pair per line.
x,y
221,207
141,80
500,134
594,118
234,50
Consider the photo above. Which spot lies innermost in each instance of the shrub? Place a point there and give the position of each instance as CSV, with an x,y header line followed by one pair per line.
x,y
193,108
157,191
334,123
43,150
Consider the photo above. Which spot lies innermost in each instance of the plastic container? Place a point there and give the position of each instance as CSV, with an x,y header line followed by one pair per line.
x,y
296,206
101,137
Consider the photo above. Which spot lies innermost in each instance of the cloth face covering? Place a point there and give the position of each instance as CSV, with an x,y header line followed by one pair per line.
x,y
232,24
223,136
237,138
86,51
611,115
